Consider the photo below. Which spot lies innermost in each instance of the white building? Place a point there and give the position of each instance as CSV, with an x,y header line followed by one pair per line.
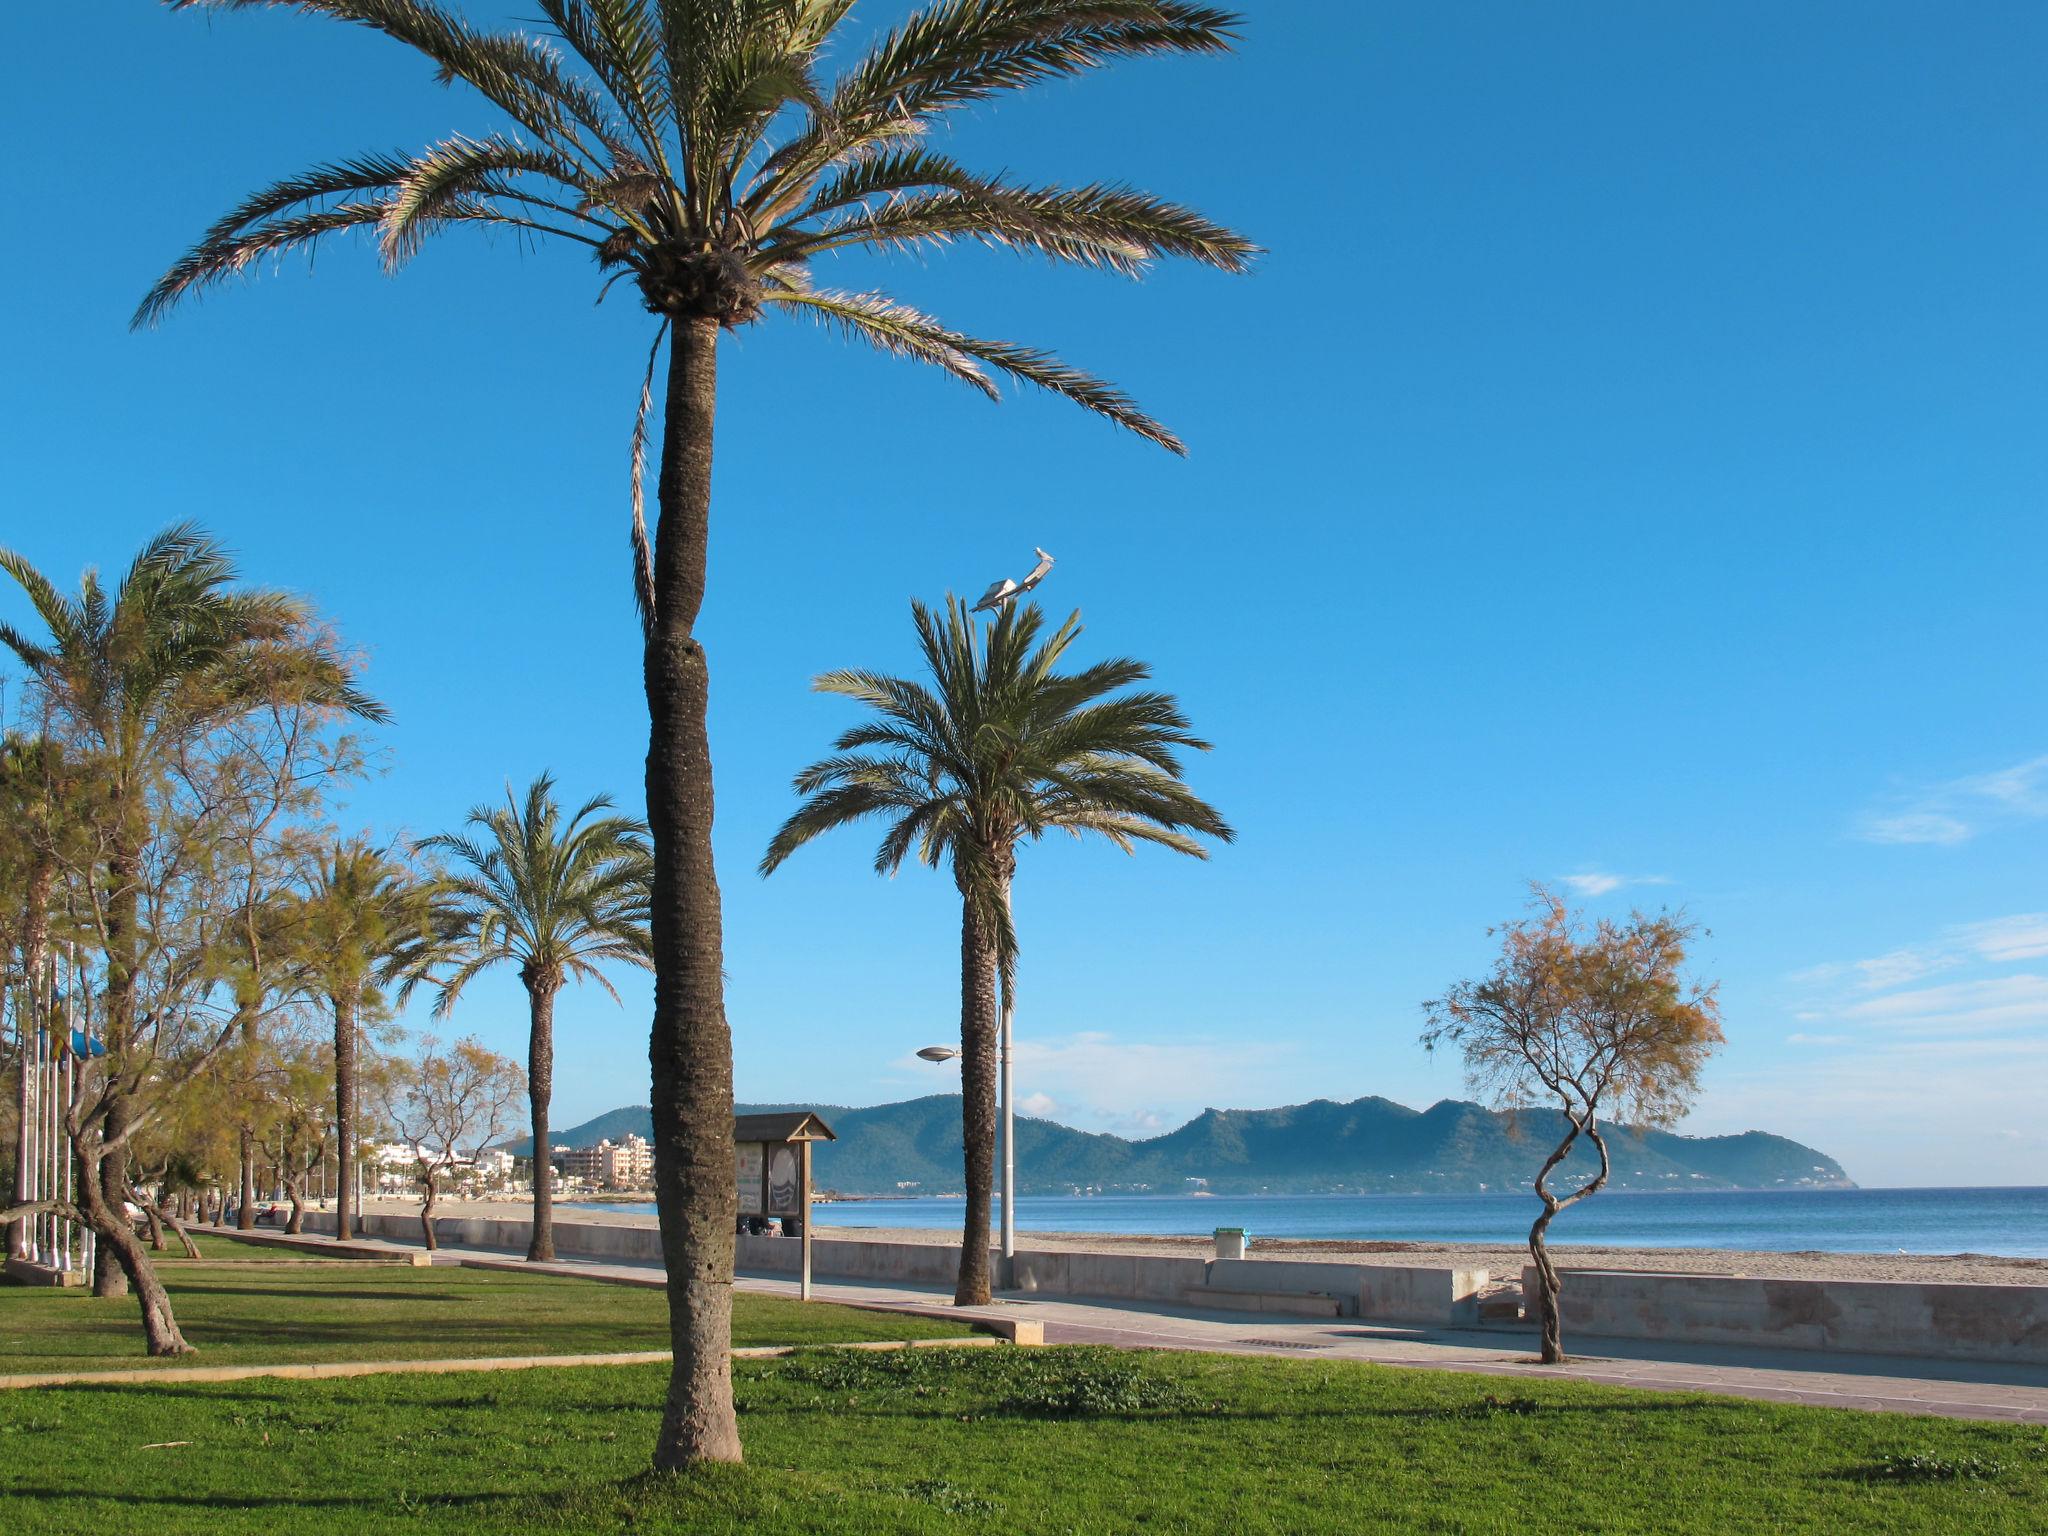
x,y
627,1164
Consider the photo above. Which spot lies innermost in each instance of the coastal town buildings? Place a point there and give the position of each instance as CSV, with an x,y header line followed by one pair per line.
x,y
626,1164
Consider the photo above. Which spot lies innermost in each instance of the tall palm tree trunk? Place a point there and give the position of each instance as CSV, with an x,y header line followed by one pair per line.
x,y
344,1116
540,1090
977,1097
690,1047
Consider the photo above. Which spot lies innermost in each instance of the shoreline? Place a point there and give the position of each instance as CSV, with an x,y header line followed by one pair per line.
x,y
1503,1262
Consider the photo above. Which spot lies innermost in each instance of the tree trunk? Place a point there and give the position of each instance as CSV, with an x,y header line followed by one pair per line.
x,y
245,1213
116,1236
295,1187
344,1117
977,1098
430,1179
690,1046
1549,1286
110,1274
156,1229
29,1016
540,1089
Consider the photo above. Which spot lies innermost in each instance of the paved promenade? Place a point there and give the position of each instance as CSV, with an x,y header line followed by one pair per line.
x,y
1951,1389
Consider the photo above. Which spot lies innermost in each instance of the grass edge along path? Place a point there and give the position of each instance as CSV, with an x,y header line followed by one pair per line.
x,y
249,1314
334,1370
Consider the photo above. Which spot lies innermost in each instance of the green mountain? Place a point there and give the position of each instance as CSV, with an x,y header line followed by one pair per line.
x,y
1371,1146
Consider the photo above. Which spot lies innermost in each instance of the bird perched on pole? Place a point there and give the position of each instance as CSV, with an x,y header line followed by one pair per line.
x,y
1002,591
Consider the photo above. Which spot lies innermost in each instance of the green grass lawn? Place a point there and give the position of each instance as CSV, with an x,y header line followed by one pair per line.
x,y
223,1247
1026,1441
245,1313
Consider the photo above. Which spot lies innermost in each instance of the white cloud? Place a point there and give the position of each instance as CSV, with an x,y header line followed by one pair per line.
x,y
1141,1087
1600,882
1899,1113
1997,941
1917,1073
1042,1106
1997,1003
2023,936
1957,810
1918,827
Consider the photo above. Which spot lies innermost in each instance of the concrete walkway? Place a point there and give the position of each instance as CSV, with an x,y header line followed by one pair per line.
x,y
1894,1384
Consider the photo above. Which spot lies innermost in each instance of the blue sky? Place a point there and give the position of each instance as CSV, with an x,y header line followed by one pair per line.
x,y
1626,467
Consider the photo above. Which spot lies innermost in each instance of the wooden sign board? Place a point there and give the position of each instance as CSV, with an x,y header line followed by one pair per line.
x,y
747,1171
771,1160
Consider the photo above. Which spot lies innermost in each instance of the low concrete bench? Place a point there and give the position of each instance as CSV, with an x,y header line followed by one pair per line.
x,y
1285,1303
328,1248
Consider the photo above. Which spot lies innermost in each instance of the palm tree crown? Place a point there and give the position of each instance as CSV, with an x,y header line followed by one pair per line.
x,y
998,749
172,646
693,147
362,913
557,897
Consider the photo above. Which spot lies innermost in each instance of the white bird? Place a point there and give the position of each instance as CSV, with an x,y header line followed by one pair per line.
x,y
1002,591
1037,572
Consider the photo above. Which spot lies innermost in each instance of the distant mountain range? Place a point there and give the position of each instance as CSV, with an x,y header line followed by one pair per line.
x,y
1370,1146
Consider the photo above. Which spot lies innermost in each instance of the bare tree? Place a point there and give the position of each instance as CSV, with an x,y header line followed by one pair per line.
x,y
1596,1020
446,1100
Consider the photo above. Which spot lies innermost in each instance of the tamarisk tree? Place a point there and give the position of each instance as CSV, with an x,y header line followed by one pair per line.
x,y
1596,1020
447,1099
197,714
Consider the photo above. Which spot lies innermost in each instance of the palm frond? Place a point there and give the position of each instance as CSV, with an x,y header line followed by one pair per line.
x,y
464,172
900,330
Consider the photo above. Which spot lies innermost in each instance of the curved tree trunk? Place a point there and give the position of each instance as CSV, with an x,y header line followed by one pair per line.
x,y
430,1177
540,1089
690,1046
344,1117
977,1098
110,1223
123,936
1549,1285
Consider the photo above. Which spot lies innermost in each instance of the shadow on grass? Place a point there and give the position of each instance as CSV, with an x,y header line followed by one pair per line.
x,y
397,1293
260,1501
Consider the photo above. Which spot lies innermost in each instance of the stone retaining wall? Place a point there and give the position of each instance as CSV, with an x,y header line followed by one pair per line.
x,y
2004,1323
1438,1298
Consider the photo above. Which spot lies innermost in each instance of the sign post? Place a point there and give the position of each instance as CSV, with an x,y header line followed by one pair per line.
x,y
803,1288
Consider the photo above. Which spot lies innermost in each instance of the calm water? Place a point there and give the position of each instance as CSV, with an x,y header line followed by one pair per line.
x,y
2013,1222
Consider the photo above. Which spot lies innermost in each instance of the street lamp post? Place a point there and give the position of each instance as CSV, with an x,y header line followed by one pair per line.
x,y
945,1053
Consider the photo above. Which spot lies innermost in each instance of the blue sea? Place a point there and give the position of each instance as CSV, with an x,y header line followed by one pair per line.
x,y
2009,1222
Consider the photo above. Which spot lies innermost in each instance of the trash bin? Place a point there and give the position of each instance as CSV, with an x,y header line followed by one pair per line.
x,y
1231,1242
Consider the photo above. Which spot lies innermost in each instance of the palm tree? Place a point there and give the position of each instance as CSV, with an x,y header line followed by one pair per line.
x,y
1000,749
359,921
134,675
692,146
555,898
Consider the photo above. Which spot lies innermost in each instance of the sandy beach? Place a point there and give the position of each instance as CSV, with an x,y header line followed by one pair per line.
x,y
1502,1263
